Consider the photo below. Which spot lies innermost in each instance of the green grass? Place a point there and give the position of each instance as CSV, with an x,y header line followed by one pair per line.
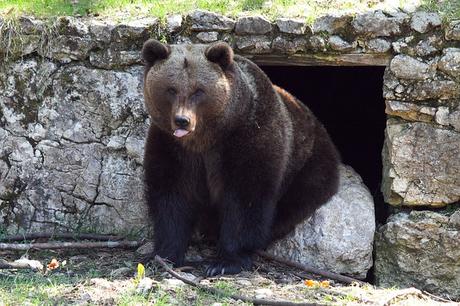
x,y
307,9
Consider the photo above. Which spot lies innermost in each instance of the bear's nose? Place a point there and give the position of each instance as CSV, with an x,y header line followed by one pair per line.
x,y
181,121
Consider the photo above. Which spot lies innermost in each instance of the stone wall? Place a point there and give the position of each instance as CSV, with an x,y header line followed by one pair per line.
x,y
72,122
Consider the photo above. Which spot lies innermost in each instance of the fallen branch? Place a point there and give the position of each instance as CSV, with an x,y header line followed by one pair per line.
x,y
31,236
330,275
68,245
218,292
13,265
22,263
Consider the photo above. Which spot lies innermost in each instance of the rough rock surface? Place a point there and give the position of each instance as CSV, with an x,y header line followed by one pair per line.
x,y
59,167
376,23
339,236
209,21
256,25
420,249
421,164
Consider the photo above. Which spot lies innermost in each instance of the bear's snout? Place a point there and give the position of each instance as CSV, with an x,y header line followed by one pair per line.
x,y
182,122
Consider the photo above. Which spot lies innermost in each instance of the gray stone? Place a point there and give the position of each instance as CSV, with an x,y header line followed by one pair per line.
x,y
207,37
331,24
378,45
146,249
254,44
136,31
112,58
207,21
174,23
289,45
406,67
421,165
317,43
338,44
426,47
255,25
410,111
101,31
376,23
434,89
422,22
452,31
291,26
73,26
450,62
420,249
30,25
67,48
447,117
339,236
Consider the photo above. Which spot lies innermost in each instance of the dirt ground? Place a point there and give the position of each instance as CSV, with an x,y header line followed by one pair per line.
x,y
110,277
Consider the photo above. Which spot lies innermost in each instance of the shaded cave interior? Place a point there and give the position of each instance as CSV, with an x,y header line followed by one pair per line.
x,y
348,100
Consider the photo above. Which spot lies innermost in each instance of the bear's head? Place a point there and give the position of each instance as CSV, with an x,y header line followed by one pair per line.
x,y
189,89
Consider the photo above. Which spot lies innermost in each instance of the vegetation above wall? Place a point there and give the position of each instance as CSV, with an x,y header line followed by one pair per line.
x,y
307,9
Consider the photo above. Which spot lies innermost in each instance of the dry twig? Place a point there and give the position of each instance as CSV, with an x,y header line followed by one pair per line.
x,y
68,245
13,265
31,236
403,294
215,291
330,275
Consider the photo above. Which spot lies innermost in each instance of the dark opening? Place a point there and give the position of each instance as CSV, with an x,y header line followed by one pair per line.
x,y
349,102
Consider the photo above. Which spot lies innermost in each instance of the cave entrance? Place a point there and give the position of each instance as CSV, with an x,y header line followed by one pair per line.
x,y
348,100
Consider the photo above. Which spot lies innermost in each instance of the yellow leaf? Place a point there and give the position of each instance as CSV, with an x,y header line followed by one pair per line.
x,y
53,264
310,283
325,284
140,271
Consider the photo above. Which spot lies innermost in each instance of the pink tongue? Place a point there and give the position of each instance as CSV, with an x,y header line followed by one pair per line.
x,y
180,132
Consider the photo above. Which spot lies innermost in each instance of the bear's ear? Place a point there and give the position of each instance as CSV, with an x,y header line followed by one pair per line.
x,y
154,50
220,53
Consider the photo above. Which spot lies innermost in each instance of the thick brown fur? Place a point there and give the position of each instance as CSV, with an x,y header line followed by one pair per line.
x,y
255,161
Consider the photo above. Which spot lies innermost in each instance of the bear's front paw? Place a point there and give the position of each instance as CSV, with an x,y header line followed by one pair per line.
x,y
228,267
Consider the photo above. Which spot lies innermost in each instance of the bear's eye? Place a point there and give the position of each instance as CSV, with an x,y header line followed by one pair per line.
x,y
197,94
171,91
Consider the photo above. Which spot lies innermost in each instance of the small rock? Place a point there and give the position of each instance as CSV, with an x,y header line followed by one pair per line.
x,y
30,25
243,282
317,43
112,58
174,23
68,25
332,24
447,117
454,219
136,31
424,21
263,293
68,48
410,111
254,44
123,271
406,67
145,285
257,25
378,45
338,44
173,283
428,46
453,30
101,30
146,249
291,26
450,62
207,37
33,264
289,45
376,23
208,21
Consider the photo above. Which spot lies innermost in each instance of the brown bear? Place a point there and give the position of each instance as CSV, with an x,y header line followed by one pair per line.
x,y
229,153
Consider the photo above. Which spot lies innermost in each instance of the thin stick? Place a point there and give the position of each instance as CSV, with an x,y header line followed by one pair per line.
x,y
68,245
236,297
437,297
14,265
31,236
330,275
